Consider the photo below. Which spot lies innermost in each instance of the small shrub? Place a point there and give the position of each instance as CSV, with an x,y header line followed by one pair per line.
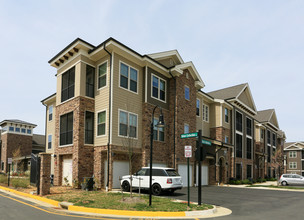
x,y
247,181
27,173
3,178
20,183
237,182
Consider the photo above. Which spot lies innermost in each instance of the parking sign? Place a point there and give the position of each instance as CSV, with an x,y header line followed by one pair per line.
x,y
188,151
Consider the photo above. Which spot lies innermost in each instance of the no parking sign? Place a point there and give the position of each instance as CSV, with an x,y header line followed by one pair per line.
x,y
188,151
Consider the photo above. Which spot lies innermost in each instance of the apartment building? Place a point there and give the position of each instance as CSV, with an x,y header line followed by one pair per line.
x,y
99,118
252,155
18,142
103,106
269,144
294,157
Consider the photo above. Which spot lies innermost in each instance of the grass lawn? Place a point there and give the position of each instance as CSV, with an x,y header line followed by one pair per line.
x,y
117,201
272,186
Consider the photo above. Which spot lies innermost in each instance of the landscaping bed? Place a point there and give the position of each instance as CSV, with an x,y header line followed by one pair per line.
x,y
119,201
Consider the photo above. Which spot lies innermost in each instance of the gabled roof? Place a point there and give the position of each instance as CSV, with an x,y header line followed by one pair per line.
x,y
240,95
173,54
294,146
228,93
268,117
90,50
38,139
16,121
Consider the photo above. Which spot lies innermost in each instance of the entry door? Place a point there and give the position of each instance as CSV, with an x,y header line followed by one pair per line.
x,y
67,172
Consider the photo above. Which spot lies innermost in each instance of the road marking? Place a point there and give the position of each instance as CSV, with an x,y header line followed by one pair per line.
x,y
54,213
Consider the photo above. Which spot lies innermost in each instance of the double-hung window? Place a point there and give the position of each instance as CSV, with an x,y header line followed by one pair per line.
x,y
292,154
90,75
158,133
49,141
187,93
89,128
205,113
198,107
50,113
102,75
249,126
273,139
101,123
128,77
292,165
226,115
66,129
186,128
68,84
158,88
127,124
239,145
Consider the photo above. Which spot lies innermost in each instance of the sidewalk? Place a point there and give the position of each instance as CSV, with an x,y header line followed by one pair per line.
x,y
267,183
215,212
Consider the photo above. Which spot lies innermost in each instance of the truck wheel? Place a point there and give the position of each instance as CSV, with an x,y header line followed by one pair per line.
x,y
156,189
125,186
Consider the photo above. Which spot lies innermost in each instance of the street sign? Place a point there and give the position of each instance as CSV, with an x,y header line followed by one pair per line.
x,y
189,135
206,142
188,151
9,160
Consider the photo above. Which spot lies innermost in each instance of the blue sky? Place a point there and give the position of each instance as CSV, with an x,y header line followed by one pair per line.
x,y
229,42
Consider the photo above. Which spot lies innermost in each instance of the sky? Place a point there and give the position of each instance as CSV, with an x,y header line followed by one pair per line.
x,y
258,42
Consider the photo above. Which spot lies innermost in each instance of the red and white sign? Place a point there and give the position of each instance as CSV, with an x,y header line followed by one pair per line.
x,y
188,151
9,160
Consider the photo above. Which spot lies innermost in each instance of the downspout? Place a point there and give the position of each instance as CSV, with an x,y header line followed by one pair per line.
x,y
174,115
109,134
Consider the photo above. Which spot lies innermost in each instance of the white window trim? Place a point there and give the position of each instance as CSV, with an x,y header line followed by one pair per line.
x,y
158,91
203,112
52,147
49,113
199,111
121,110
291,165
185,124
106,127
97,75
185,92
292,152
225,115
129,77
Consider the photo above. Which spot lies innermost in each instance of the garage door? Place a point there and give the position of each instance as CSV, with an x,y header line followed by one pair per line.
x,y
205,175
120,168
67,171
158,165
182,170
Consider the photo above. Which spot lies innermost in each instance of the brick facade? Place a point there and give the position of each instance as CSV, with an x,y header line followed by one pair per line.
x,y
45,174
11,142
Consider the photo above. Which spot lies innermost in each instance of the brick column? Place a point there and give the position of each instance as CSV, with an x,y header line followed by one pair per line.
x,y
45,172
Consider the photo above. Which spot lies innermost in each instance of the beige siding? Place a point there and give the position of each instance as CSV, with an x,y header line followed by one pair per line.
x,y
218,111
245,98
199,119
225,124
126,100
102,102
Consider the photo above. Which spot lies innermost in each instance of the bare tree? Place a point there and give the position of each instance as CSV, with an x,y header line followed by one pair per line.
x,y
16,157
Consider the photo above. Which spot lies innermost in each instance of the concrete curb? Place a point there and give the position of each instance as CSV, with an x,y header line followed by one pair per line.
x,y
112,212
39,198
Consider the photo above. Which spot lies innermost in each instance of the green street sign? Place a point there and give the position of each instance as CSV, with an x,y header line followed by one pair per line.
x,y
206,142
189,135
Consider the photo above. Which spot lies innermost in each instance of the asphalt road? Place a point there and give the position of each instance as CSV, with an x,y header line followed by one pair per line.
x,y
245,203
249,203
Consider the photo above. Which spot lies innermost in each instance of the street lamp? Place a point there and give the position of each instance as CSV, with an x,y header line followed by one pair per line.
x,y
160,124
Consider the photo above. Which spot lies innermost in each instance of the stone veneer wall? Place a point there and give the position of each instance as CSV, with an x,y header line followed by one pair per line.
x,y
11,142
82,155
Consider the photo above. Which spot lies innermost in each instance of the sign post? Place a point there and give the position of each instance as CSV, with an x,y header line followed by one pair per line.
x,y
9,162
188,154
